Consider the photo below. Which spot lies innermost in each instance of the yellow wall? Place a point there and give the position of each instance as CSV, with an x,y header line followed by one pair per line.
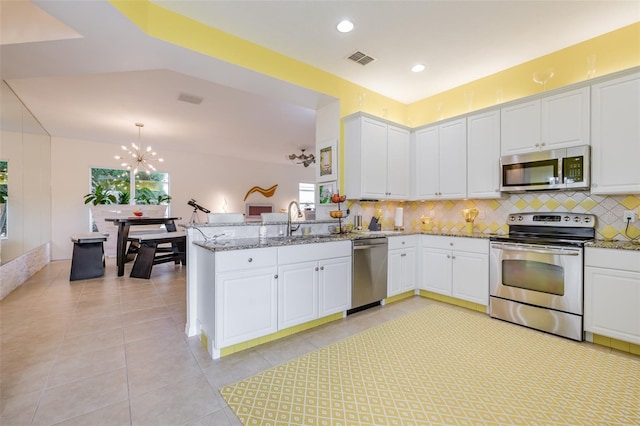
x,y
614,51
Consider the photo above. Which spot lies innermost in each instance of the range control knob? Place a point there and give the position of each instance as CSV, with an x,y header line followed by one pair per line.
x,y
567,218
520,218
587,219
576,219
512,218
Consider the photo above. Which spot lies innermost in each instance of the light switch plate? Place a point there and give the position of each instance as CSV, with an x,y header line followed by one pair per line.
x,y
629,216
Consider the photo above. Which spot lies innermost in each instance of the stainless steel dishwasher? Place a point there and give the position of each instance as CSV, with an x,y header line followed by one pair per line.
x,y
369,278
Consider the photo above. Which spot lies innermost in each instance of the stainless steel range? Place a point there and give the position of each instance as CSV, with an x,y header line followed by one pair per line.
x,y
536,271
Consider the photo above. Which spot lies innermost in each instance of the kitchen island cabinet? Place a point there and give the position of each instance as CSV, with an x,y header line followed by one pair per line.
x,y
245,295
376,159
615,142
441,161
556,121
456,267
612,293
314,281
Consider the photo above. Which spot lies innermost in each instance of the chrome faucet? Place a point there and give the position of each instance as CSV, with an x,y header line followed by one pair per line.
x,y
290,229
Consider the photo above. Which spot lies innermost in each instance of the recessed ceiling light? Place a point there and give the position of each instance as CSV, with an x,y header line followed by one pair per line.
x,y
418,68
345,26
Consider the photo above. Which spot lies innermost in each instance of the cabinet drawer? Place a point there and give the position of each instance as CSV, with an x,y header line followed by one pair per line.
x,y
473,245
405,241
312,252
623,260
246,259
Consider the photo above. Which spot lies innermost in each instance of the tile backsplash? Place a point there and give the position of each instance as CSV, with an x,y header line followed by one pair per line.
x,y
447,214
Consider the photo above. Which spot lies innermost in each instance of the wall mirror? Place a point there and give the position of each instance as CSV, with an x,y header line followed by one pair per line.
x,y
25,176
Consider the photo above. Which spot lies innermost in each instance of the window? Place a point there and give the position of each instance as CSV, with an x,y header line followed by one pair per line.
x,y
306,196
147,188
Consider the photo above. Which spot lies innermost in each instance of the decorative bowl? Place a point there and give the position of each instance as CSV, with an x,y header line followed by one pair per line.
x,y
336,214
137,213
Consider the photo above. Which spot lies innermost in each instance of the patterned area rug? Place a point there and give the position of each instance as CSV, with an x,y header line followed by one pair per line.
x,y
444,366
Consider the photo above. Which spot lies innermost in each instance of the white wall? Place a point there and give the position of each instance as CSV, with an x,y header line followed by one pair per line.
x,y
209,179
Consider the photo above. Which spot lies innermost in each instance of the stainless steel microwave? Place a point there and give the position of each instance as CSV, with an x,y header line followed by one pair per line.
x,y
556,169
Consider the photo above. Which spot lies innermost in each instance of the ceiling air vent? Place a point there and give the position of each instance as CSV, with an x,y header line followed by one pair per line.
x,y
190,99
361,58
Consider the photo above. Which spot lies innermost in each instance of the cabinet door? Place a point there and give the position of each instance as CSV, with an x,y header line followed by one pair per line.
x,y
395,273
246,305
297,294
436,270
612,303
483,155
520,128
615,141
398,166
565,119
410,271
470,277
334,285
426,163
374,159
453,159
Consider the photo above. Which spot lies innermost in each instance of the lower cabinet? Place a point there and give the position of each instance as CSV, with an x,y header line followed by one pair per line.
x,y
246,290
314,281
402,272
612,293
456,267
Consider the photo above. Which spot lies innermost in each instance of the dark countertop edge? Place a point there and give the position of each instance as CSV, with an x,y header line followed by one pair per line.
x,y
615,245
253,243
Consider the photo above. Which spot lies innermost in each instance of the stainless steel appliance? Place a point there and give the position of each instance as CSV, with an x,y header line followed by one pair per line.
x,y
369,278
557,169
536,271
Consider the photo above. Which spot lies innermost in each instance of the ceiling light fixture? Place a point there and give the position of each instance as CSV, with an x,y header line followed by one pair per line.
x,y
345,26
306,158
140,158
418,68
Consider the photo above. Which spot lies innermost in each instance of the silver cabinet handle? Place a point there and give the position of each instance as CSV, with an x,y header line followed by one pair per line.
x,y
322,268
250,260
448,256
453,257
317,268
558,252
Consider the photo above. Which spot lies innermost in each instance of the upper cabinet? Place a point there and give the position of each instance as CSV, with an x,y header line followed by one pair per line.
x,y
441,161
483,155
557,121
376,159
615,141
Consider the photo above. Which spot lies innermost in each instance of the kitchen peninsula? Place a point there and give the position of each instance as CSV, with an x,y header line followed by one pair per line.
x,y
243,290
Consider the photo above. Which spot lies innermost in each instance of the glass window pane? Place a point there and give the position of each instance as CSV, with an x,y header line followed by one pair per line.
x,y
306,194
152,188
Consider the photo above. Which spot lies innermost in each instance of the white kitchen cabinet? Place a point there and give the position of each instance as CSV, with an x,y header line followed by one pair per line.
x,y
441,161
483,155
615,142
376,159
612,293
455,266
402,272
558,121
246,286
314,280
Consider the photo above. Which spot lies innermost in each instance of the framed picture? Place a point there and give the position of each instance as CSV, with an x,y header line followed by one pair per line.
x,y
325,191
327,157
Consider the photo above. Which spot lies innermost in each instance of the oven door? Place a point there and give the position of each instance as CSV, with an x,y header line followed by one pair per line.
x,y
538,275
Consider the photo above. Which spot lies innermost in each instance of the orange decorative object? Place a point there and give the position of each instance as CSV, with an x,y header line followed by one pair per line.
x,y
266,192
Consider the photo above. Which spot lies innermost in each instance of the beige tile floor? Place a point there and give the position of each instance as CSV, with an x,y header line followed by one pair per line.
x,y
112,351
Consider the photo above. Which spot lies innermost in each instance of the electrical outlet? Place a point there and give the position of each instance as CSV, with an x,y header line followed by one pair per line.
x,y
629,216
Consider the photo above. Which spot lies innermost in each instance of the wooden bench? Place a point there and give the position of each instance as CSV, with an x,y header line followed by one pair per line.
x,y
148,252
87,260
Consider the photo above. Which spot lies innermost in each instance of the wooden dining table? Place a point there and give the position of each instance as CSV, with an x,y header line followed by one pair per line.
x,y
125,223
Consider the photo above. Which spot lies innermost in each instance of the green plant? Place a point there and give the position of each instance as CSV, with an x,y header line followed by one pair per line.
x,y
124,197
100,195
147,196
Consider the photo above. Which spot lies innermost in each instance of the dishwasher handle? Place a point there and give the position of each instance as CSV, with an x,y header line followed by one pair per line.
x,y
367,246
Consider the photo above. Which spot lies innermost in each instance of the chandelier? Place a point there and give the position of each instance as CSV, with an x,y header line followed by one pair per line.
x,y
138,158
305,159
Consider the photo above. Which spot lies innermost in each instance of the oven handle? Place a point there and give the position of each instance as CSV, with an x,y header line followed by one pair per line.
x,y
513,247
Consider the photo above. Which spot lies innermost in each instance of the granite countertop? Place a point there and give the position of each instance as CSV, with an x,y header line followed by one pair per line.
x,y
252,243
617,245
